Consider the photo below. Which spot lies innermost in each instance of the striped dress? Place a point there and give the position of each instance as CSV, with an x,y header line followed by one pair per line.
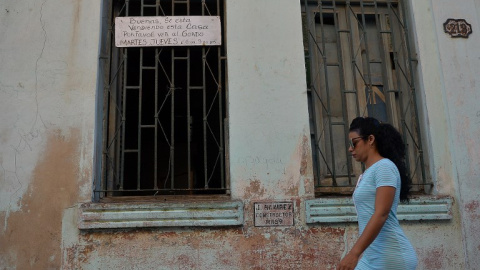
x,y
391,249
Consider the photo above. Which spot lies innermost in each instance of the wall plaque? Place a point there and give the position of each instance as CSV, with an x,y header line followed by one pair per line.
x,y
457,28
273,214
168,31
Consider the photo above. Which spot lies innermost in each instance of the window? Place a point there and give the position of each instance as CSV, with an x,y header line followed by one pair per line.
x,y
359,63
164,110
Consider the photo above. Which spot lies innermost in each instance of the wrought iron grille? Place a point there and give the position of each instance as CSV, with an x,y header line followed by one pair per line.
x,y
164,110
359,63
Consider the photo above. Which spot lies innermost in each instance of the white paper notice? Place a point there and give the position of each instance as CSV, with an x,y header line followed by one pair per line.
x,y
168,31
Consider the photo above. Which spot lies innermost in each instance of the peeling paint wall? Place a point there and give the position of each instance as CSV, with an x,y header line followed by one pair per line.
x,y
48,87
450,68
207,249
34,232
48,56
460,62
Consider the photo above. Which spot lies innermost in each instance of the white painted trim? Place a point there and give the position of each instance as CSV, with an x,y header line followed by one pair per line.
x,y
135,215
331,210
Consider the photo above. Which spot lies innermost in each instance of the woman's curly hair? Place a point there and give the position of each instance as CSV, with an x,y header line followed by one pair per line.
x,y
389,144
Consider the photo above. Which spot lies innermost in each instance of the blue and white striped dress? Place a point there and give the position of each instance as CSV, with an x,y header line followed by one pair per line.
x,y
391,249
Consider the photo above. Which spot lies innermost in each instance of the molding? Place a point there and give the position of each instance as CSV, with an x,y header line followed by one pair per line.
x,y
141,215
331,210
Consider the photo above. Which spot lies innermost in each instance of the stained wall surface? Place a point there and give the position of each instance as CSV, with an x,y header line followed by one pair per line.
x,y
459,61
48,76
48,90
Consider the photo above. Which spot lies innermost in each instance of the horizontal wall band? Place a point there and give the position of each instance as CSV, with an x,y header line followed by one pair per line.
x,y
332,210
231,213
133,215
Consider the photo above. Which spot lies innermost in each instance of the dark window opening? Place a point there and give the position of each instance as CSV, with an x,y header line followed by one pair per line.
x,y
164,111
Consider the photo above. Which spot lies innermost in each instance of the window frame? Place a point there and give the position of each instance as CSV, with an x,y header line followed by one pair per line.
x,y
129,212
345,34
111,58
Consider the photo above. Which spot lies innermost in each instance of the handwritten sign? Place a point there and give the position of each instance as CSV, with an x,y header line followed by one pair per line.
x,y
273,214
168,31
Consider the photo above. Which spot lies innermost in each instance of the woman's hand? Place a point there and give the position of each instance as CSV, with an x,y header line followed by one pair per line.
x,y
348,262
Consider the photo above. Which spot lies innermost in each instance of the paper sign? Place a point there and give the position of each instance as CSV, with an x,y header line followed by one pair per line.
x,y
168,31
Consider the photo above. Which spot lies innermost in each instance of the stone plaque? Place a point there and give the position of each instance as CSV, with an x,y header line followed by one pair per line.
x,y
162,31
457,28
273,214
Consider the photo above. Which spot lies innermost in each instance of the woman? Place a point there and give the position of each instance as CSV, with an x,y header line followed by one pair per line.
x,y
379,189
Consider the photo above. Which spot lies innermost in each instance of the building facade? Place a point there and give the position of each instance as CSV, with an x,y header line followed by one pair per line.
x,y
212,134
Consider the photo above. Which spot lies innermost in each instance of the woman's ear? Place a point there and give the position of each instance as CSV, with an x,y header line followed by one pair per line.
x,y
371,140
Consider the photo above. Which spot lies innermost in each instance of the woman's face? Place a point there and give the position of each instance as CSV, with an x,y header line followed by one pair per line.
x,y
358,146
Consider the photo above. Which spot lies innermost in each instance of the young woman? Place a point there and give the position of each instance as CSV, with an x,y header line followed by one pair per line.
x,y
379,190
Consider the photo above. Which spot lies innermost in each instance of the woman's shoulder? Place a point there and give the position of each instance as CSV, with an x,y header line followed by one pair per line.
x,y
386,162
386,165
383,163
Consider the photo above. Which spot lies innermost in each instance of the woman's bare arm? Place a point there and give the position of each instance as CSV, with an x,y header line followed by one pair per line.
x,y
383,203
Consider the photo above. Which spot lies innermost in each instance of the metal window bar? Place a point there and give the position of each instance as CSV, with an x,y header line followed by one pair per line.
x,y
327,88
121,92
326,106
383,53
415,136
355,23
344,122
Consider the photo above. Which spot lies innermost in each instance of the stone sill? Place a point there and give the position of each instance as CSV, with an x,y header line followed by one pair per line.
x,y
174,214
334,210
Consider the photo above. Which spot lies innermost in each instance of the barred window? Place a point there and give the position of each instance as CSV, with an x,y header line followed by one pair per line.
x,y
163,110
359,63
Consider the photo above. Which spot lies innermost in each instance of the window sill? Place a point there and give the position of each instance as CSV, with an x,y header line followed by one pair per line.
x,y
160,214
337,210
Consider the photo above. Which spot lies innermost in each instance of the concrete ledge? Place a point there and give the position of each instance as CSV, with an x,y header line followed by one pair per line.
x,y
332,210
135,215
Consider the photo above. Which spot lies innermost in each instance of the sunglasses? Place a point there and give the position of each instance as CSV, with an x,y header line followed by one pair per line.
x,y
352,143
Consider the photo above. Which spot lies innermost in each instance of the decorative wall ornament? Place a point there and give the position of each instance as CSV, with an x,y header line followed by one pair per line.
x,y
457,28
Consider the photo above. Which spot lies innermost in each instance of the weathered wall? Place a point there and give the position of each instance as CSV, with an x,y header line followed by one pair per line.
x,y
269,130
299,247
450,68
48,82
460,59
48,56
